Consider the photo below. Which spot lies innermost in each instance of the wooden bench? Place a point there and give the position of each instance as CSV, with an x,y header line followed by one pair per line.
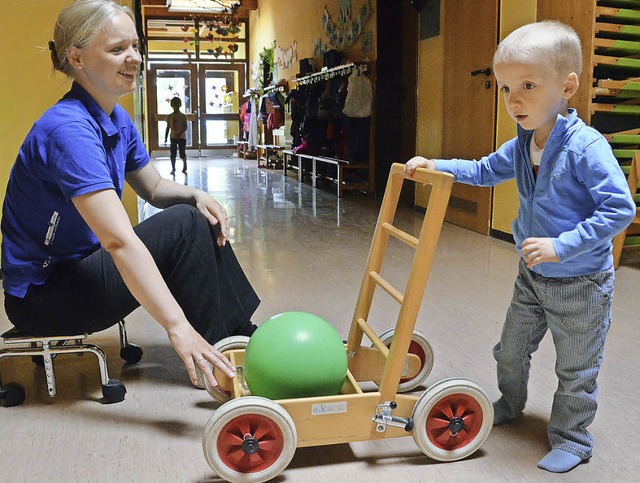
x,y
241,147
291,160
271,155
268,155
338,167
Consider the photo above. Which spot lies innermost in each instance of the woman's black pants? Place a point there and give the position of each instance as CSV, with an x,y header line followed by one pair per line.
x,y
89,295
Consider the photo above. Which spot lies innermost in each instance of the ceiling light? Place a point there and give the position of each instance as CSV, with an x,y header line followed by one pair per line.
x,y
216,6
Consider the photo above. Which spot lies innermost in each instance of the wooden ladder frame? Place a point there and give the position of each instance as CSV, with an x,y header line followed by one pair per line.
x,y
633,179
378,363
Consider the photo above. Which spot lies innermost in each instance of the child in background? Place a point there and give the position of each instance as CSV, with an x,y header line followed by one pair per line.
x,y
573,200
177,124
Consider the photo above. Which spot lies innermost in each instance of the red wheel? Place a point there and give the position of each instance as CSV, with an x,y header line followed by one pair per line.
x,y
452,419
249,439
420,347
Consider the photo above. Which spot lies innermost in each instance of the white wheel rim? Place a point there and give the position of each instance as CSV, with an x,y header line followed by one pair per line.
x,y
420,347
227,344
228,446
452,419
232,343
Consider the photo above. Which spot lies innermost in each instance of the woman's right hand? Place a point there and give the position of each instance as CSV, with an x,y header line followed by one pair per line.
x,y
194,351
418,162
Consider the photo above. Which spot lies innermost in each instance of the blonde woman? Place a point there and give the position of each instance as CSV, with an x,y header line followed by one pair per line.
x,y
71,261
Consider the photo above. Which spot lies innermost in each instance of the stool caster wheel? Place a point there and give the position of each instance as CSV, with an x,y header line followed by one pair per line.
x,y
13,394
131,353
114,391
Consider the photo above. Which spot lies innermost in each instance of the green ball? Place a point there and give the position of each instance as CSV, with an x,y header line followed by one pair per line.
x,y
293,355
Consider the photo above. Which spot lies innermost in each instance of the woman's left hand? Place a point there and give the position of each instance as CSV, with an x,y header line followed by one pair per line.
x,y
215,213
197,353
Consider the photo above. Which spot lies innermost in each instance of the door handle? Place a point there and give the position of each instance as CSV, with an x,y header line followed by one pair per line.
x,y
486,72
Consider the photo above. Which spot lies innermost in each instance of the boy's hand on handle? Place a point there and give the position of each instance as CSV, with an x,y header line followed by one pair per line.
x,y
538,250
418,162
197,352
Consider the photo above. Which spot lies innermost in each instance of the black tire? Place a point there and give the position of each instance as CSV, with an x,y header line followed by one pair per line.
x,y
13,394
114,391
131,353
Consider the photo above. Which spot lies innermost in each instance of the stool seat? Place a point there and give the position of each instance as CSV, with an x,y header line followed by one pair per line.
x,y
43,349
14,336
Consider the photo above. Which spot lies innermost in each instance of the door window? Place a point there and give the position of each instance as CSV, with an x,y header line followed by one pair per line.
x,y
172,83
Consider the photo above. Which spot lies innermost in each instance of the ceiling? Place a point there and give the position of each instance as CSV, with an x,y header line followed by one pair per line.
x,y
179,7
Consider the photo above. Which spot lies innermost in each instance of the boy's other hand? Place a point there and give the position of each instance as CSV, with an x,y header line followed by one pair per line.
x,y
418,162
538,250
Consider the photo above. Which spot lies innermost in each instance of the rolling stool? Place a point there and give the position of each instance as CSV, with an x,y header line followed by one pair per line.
x,y
44,349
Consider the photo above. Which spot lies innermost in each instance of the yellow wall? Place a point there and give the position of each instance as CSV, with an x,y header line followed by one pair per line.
x,y
26,81
429,111
301,21
513,14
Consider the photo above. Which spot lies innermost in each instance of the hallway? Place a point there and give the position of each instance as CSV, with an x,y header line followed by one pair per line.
x,y
305,249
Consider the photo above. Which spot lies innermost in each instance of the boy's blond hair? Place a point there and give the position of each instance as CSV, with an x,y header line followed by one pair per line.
x,y
548,41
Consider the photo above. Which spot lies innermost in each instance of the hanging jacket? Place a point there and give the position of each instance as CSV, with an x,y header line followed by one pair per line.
x,y
359,96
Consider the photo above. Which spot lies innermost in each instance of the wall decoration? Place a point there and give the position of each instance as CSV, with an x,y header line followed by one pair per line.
x,y
255,72
345,31
345,12
286,57
319,48
367,41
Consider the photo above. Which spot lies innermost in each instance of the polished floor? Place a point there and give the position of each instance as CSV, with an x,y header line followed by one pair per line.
x,y
305,249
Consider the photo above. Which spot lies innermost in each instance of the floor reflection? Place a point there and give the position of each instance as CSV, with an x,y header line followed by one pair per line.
x,y
262,202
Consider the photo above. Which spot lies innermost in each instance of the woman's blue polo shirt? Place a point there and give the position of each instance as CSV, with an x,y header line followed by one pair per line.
x,y
72,150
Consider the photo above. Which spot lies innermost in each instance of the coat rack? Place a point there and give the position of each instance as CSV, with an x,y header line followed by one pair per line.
x,y
251,93
331,73
274,88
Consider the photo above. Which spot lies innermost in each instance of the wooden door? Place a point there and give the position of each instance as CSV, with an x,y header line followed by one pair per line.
x,y
471,35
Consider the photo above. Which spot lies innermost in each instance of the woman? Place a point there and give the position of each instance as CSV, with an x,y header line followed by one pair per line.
x,y
71,261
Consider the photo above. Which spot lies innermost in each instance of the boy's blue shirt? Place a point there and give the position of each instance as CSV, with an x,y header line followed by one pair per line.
x,y
580,198
73,149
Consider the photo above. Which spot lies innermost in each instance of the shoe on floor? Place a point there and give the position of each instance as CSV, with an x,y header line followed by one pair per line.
x,y
559,461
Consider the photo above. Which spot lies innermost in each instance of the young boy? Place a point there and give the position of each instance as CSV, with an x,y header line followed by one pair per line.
x,y
573,200
177,124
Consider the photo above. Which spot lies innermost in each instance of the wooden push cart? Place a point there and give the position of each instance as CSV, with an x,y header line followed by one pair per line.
x,y
253,439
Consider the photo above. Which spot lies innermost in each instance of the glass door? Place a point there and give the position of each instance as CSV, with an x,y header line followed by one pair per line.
x,y
221,89
165,83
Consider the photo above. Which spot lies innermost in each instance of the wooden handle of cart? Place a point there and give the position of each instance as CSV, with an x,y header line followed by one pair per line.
x,y
424,176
